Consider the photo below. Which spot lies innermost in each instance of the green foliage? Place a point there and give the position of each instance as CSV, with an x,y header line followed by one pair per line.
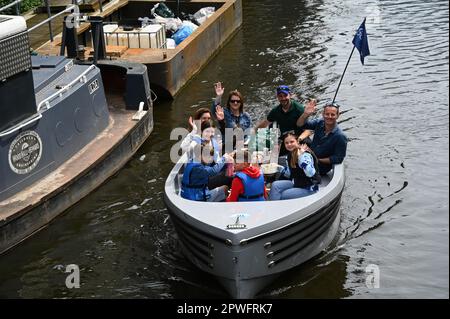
x,y
25,6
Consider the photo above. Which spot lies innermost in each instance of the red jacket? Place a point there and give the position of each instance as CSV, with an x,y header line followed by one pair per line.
x,y
237,187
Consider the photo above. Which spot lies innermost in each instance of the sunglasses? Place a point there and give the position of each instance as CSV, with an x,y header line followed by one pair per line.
x,y
235,101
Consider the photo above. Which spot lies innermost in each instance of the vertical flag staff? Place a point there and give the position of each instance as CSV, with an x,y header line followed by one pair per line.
x,y
362,44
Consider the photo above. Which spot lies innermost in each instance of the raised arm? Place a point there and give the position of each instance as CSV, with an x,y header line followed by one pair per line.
x,y
215,169
309,110
220,116
305,134
216,108
186,143
219,92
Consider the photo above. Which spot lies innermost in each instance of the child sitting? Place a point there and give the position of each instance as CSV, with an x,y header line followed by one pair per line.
x,y
302,171
248,183
196,174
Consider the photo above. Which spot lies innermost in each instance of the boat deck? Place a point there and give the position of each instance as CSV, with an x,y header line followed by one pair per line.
x,y
259,217
53,73
144,56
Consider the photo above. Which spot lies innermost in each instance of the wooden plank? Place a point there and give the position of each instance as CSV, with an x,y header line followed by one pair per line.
x,y
111,50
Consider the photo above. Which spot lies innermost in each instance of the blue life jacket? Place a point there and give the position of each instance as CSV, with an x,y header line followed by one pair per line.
x,y
253,188
198,191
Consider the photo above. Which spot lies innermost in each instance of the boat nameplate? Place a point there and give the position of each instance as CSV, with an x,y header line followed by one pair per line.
x,y
93,86
236,226
25,152
68,66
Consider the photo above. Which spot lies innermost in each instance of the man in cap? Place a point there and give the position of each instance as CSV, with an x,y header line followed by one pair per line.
x,y
329,142
285,114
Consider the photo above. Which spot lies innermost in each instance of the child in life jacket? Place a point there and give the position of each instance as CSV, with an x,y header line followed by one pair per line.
x,y
196,174
248,183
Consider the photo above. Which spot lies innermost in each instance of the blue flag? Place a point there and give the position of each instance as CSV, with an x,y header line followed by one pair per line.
x,y
360,41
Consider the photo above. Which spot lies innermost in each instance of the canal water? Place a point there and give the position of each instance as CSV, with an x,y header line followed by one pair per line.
x,y
394,209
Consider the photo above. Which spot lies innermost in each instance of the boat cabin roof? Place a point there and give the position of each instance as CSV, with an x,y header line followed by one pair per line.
x,y
11,25
53,73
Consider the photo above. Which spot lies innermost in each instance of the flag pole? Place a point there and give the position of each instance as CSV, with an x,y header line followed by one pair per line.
x,y
342,76
361,45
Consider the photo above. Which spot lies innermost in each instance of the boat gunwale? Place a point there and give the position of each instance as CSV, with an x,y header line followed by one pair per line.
x,y
237,237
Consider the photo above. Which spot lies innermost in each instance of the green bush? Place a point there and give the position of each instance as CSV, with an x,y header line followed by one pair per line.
x,y
25,6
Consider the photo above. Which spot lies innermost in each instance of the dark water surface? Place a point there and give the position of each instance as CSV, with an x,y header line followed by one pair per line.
x,y
395,204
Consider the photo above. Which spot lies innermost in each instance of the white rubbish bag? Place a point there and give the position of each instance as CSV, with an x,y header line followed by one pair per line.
x,y
204,13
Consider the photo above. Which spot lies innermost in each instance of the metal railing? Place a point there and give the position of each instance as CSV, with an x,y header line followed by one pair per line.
x,y
70,8
75,4
15,3
81,78
23,124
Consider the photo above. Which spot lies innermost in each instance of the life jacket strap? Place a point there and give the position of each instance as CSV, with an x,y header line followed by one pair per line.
x,y
194,186
252,196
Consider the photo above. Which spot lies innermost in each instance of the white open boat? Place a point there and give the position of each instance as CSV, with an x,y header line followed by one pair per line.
x,y
247,244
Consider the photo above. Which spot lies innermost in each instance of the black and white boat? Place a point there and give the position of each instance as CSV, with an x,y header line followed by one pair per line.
x,y
65,127
245,245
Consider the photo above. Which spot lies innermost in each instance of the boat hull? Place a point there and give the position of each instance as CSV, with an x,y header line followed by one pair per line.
x,y
80,178
243,288
245,261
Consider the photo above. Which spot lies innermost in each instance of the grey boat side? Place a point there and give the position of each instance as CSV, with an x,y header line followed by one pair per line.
x,y
278,235
40,206
68,119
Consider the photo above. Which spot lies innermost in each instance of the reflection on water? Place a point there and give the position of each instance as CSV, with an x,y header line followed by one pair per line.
x,y
394,210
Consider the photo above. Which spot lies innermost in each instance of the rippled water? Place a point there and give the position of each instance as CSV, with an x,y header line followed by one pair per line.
x,y
395,203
